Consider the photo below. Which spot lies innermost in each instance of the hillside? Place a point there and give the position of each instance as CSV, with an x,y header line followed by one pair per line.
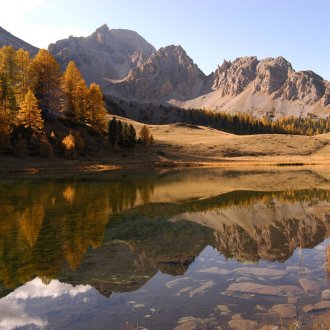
x,y
181,145
7,39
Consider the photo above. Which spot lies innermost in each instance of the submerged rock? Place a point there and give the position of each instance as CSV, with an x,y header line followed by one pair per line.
x,y
239,324
201,289
326,294
223,309
214,270
286,311
172,283
292,300
255,288
259,271
193,323
139,306
309,285
322,305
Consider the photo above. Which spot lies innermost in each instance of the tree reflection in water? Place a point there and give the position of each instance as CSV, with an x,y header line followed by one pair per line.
x,y
117,232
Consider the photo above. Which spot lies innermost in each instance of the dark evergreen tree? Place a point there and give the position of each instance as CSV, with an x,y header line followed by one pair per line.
x,y
125,135
119,133
112,131
131,136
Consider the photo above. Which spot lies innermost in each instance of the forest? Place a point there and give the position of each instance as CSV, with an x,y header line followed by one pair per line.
x,y
44,112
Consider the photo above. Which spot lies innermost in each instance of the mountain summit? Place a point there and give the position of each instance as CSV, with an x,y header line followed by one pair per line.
x,y
169,73
105,54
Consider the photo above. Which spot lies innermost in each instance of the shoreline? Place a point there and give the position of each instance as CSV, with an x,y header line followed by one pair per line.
x,y
32,166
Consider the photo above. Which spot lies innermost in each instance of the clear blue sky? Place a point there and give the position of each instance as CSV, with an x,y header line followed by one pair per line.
x,y
209,30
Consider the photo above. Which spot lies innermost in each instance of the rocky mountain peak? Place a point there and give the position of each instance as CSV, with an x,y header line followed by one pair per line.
x,y
103,28
233,77
173,56
168,73
101,34
271,74
105,54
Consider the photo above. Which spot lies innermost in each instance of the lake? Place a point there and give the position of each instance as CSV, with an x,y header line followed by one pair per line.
x,y
169,249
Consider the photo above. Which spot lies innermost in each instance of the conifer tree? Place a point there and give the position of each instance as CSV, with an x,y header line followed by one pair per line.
x,y
7,81
131,136
46,81
146,138
119,132
75,92
5,128
112,131
96,112
23,74
128,135
30,114
125,135
81,102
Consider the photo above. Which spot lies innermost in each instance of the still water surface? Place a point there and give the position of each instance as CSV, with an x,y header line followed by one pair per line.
x,y
185,249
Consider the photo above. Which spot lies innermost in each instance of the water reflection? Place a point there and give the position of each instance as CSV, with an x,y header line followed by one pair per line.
x,y
116,232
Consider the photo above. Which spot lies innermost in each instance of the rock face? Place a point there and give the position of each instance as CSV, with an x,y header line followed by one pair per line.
x,y
270,86
106,54
7,39
271,74
168,73
232,78
129,68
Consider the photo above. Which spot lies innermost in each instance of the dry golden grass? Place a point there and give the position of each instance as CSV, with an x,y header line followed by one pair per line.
x,y
181,145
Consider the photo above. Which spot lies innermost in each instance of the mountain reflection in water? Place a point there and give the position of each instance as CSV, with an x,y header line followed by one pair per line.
x,y
116,232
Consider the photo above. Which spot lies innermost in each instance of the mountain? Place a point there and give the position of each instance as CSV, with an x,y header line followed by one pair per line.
x,y
129,68
168,74
104,55
260,87
7,39
269,86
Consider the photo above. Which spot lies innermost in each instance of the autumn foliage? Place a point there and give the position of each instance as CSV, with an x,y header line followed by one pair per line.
x,y
34,92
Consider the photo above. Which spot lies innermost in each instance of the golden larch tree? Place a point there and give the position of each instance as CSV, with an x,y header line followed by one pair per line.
x,y
23,74
145,137
75,92
7,81
30,113
5,127
96,112
81,101
46,75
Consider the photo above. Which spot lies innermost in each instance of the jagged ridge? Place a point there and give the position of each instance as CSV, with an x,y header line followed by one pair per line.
x,y
168,73
268,86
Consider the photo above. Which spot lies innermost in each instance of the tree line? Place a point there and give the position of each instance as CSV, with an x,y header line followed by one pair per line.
x,y
247,124
240,123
